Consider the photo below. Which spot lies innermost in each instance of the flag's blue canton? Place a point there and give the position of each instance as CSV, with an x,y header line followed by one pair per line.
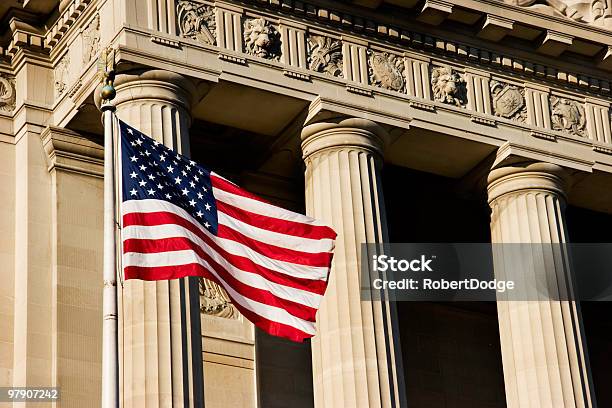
x,y
153,171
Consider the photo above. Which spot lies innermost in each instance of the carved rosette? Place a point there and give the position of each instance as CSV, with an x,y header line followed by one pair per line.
x,y
91,39
386,70
567,116
7,94
60,74
508,101
325,55
261,39
214,301
448,86
197,21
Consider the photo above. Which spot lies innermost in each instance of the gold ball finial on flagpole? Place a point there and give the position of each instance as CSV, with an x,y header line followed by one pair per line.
x,y
108,92
106,70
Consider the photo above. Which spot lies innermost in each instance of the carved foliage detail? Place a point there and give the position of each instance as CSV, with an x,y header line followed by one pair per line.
x,y
7,94
568,116
91,39
325,55
261,39
197,21
386,70
448,86
60,74
508,101
214,301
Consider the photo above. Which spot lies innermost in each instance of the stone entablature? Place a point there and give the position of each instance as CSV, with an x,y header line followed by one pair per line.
x,y
419,66
189,14
430,74
199,20
310,43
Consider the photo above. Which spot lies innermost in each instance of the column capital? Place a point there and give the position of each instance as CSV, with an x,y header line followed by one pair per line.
x,y
527,176
343,132
152,84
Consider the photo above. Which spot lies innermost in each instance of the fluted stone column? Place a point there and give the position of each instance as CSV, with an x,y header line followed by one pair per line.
x,y
159,322
542,342
356,354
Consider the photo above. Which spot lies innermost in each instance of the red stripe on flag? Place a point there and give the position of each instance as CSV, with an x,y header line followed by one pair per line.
x,y
246,264
277,225
259,295
174,272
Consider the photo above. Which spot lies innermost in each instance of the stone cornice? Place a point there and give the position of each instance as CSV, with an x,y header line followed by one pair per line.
x,y
22,36
69,16
68,151
496,13
536,19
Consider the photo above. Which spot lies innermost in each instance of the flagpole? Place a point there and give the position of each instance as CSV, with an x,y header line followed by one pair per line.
x,y
110,351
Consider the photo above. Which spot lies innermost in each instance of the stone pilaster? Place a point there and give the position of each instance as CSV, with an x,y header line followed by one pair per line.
x,y
76,168
159,322
356,354
542,342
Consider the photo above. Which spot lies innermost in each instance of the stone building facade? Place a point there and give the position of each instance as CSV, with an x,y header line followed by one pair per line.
x,y
401,120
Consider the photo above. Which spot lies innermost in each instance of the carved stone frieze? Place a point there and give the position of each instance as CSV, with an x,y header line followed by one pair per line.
x,y
568,116
325,55
7,94
214,301
60,74
448,86
261,39
386,70
91,39
508,101
197,21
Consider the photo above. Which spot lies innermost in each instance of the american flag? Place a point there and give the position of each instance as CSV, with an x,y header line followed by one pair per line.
x,y
180,219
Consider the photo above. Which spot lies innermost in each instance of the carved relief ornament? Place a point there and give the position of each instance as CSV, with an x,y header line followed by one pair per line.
x,y
91,39
60,74
448,86
568,116
508,101
386,70
325,55
214,301
197,21
7,94
261,39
